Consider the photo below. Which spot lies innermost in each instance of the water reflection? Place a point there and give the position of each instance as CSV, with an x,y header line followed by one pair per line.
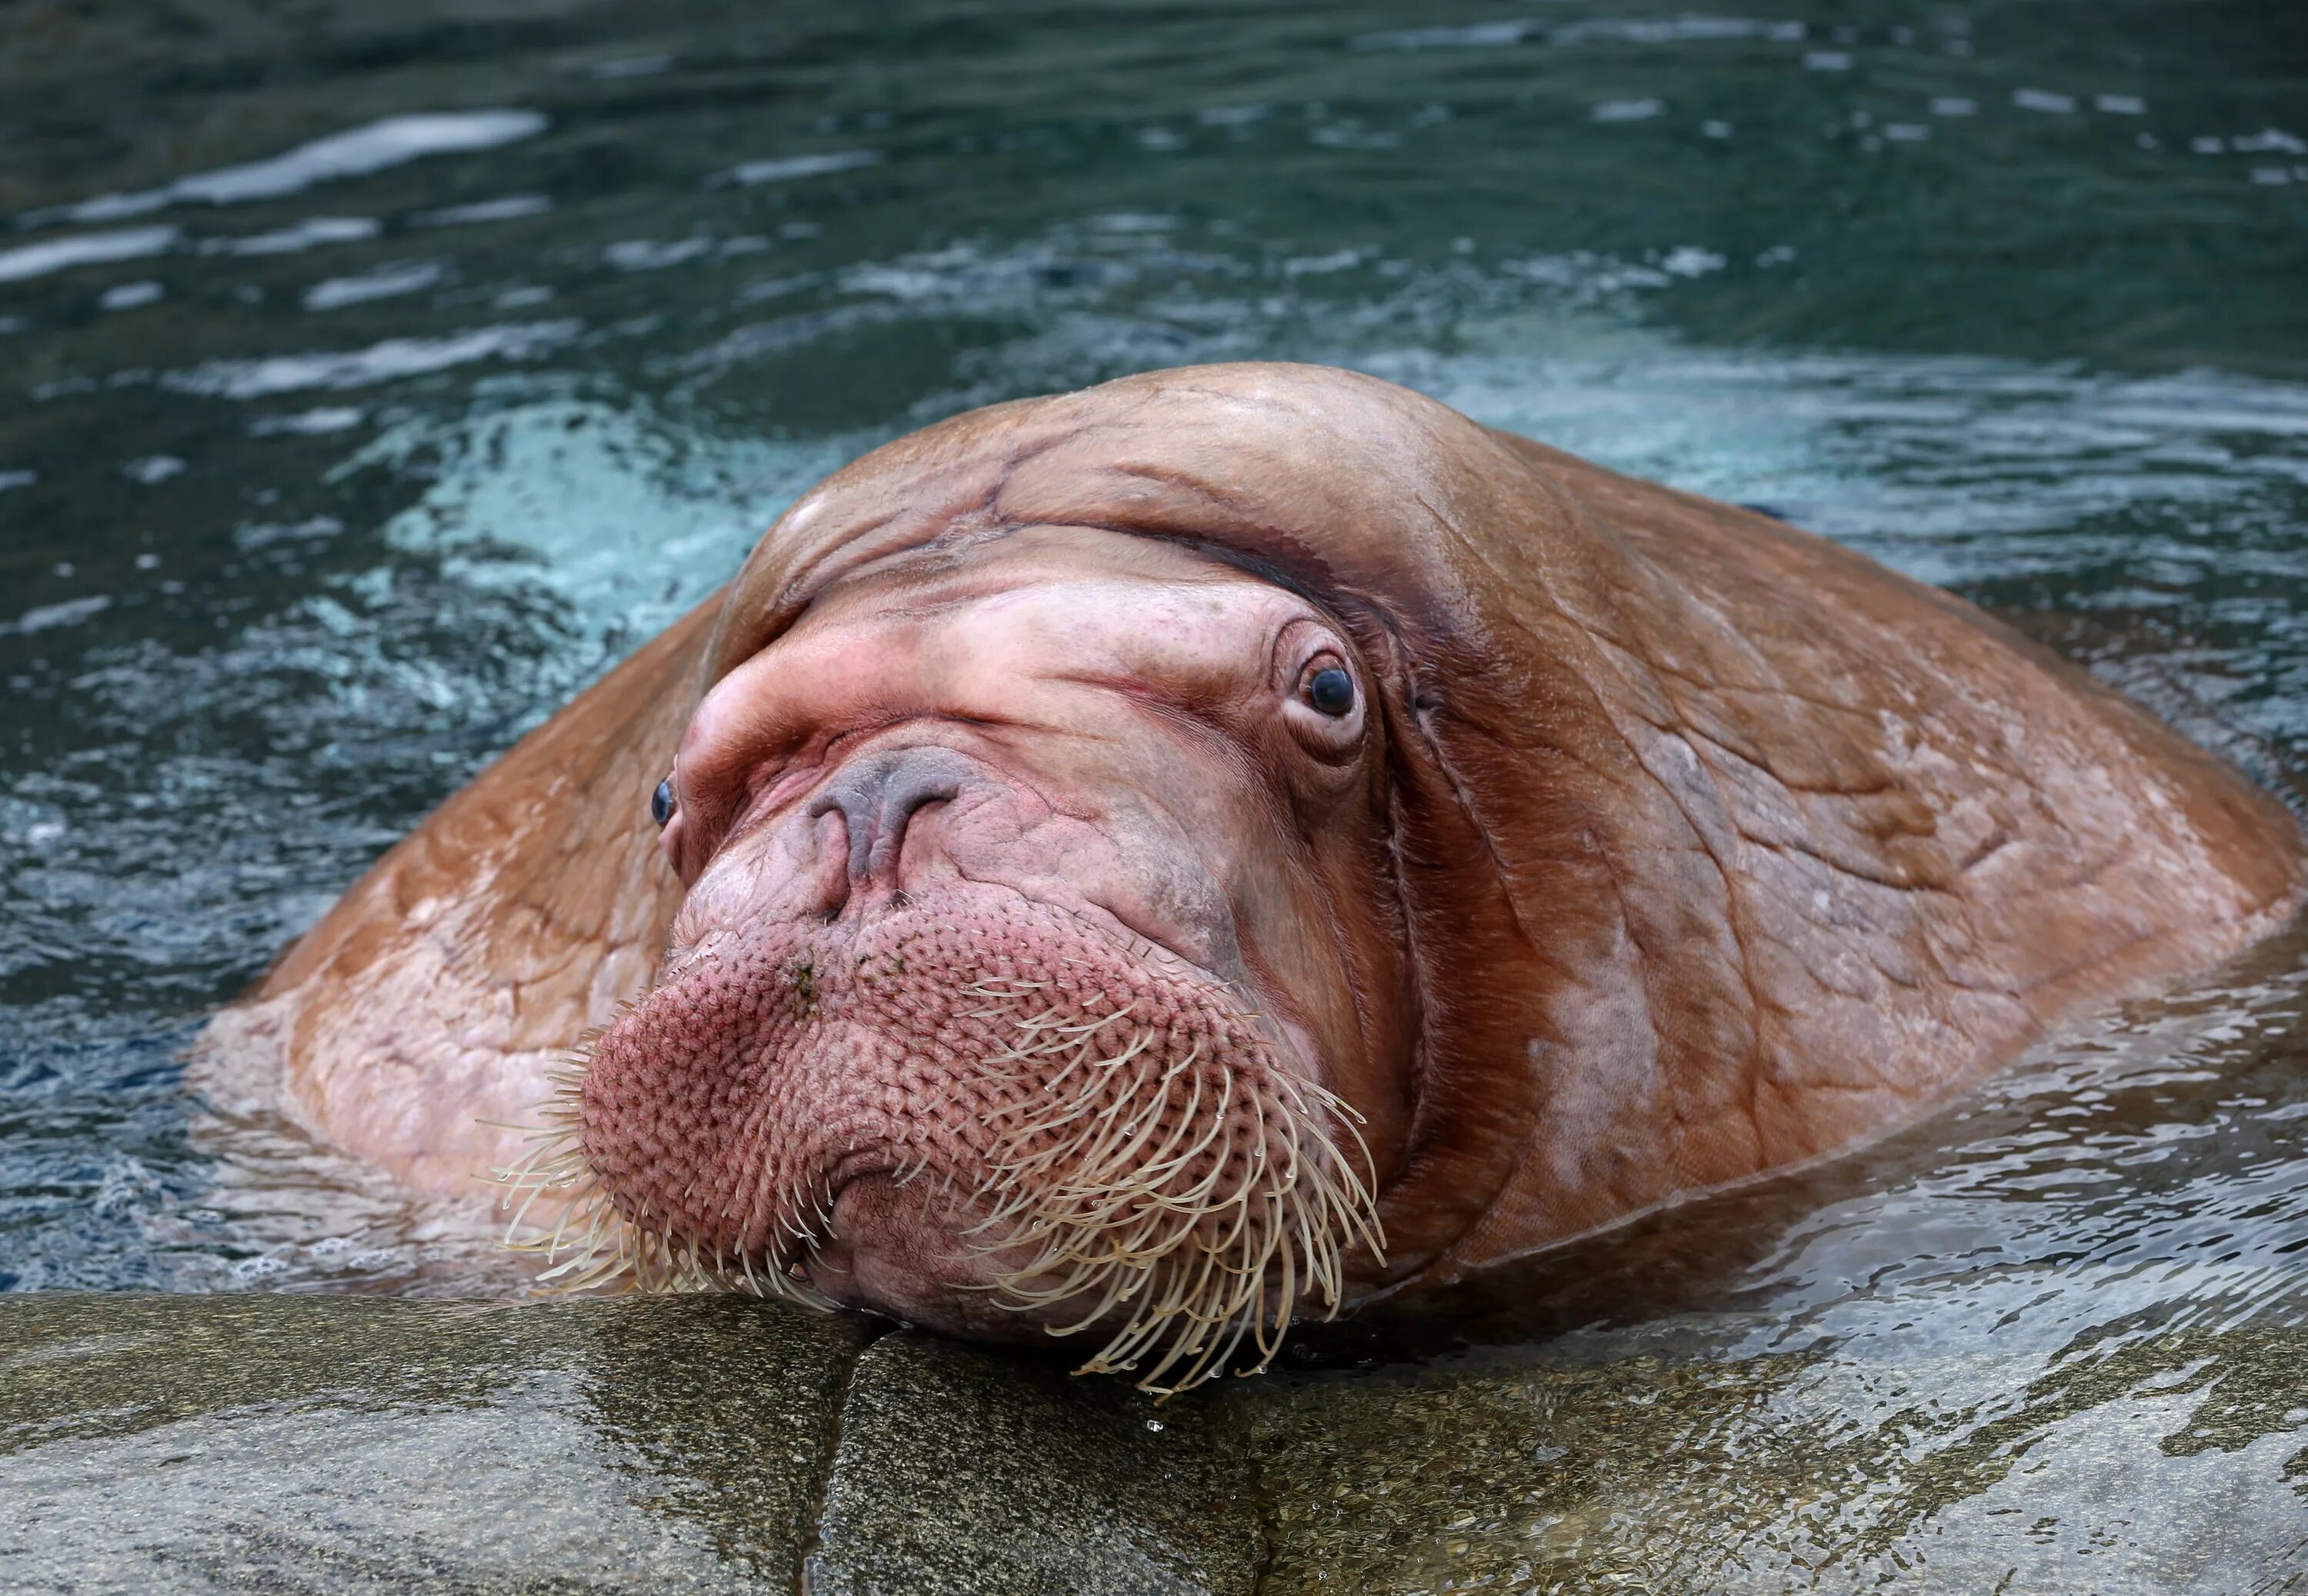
x,y
85,249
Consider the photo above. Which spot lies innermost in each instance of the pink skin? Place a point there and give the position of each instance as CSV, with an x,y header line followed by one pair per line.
x,y
1079,732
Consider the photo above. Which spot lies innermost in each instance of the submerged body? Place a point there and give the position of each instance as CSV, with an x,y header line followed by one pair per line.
x,y
1136,860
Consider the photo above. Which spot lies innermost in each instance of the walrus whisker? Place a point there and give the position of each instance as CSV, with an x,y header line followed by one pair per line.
x,y
1108,1123
1047,1089
1117,1283
1195,1340
1101,1232
1157,1165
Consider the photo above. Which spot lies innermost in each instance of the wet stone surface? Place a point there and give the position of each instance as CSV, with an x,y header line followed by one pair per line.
x,y
965,1470
277,1443
316,1444
2173,1466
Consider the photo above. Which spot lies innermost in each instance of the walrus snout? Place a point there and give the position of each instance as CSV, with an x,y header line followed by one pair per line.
x,y
977,1112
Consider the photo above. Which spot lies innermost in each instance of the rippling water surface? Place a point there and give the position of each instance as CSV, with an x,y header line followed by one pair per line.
x,y
371,380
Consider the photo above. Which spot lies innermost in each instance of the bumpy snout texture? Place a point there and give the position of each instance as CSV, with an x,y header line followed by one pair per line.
x,y
976,1113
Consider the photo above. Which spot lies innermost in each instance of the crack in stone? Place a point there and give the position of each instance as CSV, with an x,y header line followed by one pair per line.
x,y
813,1535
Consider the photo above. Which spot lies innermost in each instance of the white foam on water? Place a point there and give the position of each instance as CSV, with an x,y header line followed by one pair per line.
x,y
624,515
30,261
357,152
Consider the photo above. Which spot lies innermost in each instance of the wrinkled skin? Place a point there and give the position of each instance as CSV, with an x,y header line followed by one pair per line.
x,y
1661,845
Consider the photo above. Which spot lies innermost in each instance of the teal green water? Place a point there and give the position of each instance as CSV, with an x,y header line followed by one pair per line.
x,y
369,380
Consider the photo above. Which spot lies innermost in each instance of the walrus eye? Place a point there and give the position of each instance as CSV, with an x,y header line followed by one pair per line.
x,y
1331,690
661,802
1317,702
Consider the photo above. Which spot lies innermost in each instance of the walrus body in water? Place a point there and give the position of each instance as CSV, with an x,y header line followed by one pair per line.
x,y
1154,860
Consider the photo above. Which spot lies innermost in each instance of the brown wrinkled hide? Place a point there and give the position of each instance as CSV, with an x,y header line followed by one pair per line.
x,y
1702,846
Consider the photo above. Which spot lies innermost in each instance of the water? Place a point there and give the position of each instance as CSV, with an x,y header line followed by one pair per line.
x,y
370,382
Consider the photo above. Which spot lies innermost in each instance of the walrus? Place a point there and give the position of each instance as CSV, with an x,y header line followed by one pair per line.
x,y
1232,843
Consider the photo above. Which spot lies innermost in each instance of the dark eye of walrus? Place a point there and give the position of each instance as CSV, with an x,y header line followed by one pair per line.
x,y
661,802
1331,690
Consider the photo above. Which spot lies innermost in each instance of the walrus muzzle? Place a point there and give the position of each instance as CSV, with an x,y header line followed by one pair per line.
x,y
974,1114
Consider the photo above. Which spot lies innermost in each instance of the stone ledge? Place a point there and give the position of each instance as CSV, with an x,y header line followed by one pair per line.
x,y
328,1444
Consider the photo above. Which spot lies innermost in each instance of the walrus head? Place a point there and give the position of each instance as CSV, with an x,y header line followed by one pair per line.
x,y
1030,885
1043,966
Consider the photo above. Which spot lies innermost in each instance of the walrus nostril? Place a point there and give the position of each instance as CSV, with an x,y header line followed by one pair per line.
x,y
877,798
